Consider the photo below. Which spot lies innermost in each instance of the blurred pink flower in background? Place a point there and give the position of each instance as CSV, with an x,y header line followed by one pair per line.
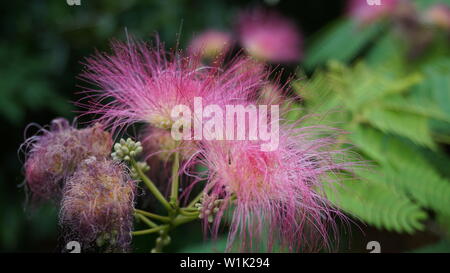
x,y
367,11
268,36
209,44
439,15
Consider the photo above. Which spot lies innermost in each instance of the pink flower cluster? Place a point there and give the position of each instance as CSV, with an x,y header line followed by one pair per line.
x,y
145,84
73,166
278,193
55,154
97,205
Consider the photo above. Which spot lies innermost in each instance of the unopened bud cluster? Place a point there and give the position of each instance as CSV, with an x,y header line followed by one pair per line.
x,y
209,206
126,149
162,241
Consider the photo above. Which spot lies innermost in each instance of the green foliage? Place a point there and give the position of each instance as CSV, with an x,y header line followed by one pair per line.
x,y
378,204
404,167
25,85
374,97
389,122
341,41
422,4
397,113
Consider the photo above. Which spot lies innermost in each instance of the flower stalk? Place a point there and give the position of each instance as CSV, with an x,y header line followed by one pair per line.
x,y
175,180
150,185
148,231
144,219
161,218
176,216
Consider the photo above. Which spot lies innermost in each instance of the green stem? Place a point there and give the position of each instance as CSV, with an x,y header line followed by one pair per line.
x,y
153,215
180,219
148,231
144,219
189,213
175,179
194,209
151,186
176,216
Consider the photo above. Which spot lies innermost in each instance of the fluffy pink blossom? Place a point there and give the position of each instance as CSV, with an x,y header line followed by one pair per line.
x,y
138,83
55,153
211,43
268,36
97,205
277,195
365,13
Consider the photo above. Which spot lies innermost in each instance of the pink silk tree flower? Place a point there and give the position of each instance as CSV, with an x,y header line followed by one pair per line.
x,y
139,83
210,44
277,195
55,153
97,205
368,11
268,36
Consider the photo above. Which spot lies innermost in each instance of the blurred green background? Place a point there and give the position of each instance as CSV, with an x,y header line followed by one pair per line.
x,y
43,42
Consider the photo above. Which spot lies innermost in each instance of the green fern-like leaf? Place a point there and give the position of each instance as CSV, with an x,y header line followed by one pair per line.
x,y
405,168
359,86
379,205
416,106
389,124
333,42
384,149
360,94
412,126
422,184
